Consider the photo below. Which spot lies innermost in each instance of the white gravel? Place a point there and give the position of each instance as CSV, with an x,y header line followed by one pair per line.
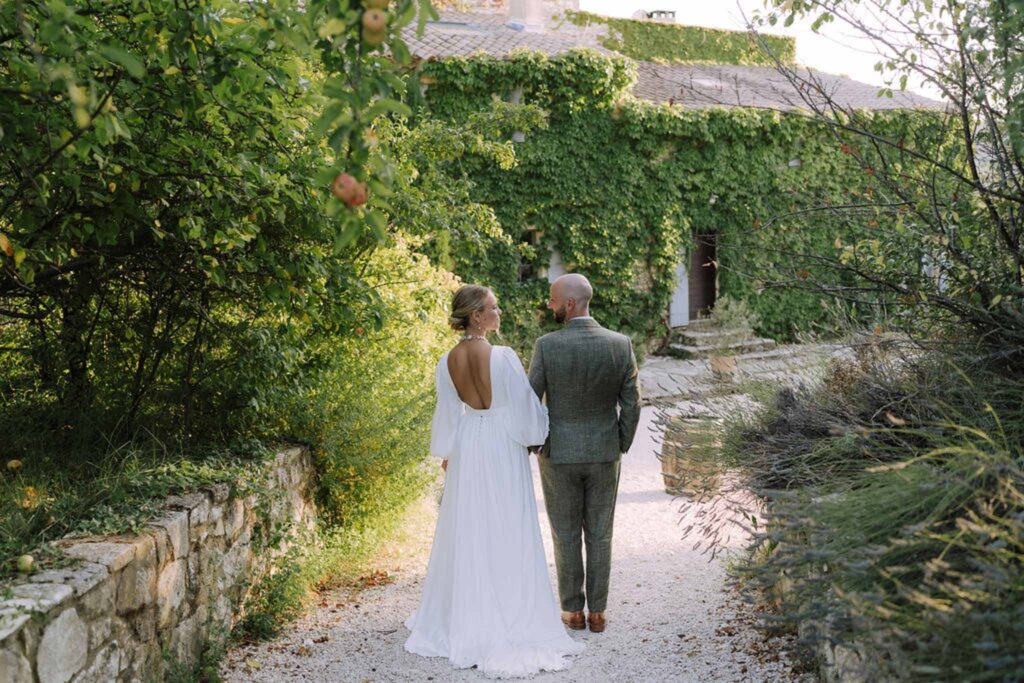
x,y
670,615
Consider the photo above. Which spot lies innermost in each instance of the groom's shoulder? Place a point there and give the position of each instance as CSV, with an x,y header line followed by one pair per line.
x,y
617,336
550,338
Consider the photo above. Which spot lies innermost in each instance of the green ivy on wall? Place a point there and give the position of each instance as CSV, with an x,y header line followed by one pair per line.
x,y
652,41
618,186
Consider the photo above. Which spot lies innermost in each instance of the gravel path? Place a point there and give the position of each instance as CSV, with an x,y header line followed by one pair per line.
x,y
670,615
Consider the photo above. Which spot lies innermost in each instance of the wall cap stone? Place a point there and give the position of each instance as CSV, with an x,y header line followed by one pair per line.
x,y
113,556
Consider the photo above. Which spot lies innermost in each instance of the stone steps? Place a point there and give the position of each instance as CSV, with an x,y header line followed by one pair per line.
x,y
703,334
741,346
699,324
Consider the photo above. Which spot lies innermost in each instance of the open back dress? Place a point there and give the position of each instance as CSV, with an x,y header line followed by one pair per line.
x,y
487,599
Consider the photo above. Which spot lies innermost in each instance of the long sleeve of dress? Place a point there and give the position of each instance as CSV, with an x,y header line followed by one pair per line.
x,y
527,417
446,413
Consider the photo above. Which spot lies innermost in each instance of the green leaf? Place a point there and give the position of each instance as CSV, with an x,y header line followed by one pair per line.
x,y
349,232
339,138
378,223
325,176
427,11
387,105
327,119
132,64
331,27
378,188
400,52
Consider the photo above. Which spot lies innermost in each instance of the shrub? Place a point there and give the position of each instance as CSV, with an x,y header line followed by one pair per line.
x,y
893,518
366,410
165,218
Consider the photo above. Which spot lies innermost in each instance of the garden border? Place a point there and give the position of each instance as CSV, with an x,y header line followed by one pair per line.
x,y
136,604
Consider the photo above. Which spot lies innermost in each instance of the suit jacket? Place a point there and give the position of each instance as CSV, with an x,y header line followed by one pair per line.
x,y
585,372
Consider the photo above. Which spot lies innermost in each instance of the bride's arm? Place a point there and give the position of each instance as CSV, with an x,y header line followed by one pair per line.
x,y
446,415
528,419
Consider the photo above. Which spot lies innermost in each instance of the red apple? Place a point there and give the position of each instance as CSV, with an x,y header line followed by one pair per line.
x,y
349,190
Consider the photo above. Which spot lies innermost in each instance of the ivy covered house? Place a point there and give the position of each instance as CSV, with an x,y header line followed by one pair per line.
x,y
666,149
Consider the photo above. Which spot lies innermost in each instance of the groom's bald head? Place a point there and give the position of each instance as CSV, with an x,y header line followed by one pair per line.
x,y
570,297
576,287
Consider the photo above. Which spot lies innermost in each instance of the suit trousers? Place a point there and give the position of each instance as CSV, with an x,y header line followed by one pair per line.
x,y
580,500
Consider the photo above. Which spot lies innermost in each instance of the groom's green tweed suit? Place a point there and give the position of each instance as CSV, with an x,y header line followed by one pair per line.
x,y
588,376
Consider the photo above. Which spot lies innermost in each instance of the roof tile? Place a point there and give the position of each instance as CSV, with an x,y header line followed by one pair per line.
x,y
692,86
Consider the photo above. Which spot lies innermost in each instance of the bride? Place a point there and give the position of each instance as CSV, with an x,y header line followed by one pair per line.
x,y
487,599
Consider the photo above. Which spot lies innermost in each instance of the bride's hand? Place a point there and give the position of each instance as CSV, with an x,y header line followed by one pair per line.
x,y
444,464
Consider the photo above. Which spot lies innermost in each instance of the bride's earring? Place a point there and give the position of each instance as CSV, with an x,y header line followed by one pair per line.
x,y
473,331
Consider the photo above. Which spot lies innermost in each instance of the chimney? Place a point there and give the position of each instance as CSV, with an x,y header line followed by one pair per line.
x,y
526,15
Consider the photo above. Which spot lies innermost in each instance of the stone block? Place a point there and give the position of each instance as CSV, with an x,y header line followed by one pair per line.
x,y
211,560
171,591
42,596
245,535
175,523
219,492
216,523
185,502
145,548
220,613
131,656
113,556
144,624
12,618
140,662
164,551
136,586
195,589
14,667
100,629
234,518
236,565
30,634
104,667
99,601
188,637
81,578
63,648
200,513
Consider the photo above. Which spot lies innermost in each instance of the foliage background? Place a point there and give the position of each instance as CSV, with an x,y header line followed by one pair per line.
x,y
177,282
618,186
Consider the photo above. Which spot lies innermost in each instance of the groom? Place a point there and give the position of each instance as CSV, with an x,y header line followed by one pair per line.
x,y
585,371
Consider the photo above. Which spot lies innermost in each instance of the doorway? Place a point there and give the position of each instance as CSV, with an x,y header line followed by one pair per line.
x,y
703,275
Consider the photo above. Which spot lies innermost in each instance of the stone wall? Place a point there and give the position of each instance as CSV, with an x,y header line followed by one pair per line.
x,y
132,604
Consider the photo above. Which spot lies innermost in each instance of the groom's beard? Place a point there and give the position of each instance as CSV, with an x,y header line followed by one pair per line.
x,y
560,315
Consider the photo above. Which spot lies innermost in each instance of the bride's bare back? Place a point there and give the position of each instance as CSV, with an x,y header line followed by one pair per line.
x,y
469,365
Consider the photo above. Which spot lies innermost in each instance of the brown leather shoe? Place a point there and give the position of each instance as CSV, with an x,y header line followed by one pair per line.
x,y
574,620
597,622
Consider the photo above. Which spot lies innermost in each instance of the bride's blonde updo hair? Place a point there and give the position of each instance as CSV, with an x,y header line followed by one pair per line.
x,y
467,300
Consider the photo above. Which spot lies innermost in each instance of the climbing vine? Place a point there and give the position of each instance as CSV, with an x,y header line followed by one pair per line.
x,y
618,185
651,41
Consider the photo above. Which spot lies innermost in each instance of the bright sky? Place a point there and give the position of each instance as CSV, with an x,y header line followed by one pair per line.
x,y
835,49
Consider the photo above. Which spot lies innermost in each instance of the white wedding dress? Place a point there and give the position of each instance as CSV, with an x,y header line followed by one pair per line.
x,y
487,599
